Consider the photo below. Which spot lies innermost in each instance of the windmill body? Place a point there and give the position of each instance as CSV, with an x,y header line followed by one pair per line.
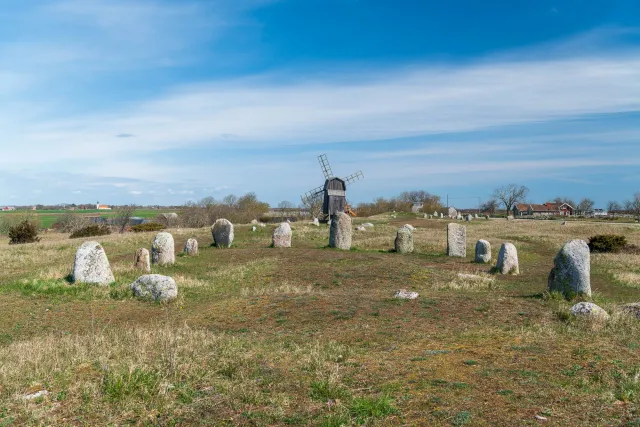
x,y
334,192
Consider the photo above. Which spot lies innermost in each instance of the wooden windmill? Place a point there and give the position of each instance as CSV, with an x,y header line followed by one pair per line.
x,y
334,191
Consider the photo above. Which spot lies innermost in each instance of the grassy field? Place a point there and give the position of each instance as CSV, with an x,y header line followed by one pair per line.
x,y
47,218
312,336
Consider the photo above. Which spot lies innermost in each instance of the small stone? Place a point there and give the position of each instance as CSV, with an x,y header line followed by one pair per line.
x,y
91,265
254,221
156,287
368,225
222,232
142,260
589,309
571,272
632,309
340,231
469,218
254,228
262,224
36,395
361,229
404,240
404,294
191,247
508,259
483,252
282,236
510,218
316,222
456,240
163,249
435,213
564,222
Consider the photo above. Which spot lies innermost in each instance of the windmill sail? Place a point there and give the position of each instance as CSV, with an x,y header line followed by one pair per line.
x,y
354,177
326,168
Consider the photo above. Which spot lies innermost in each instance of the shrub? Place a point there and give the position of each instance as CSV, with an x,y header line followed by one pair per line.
x,y
71,222
90,231
149,226
23,232
607,243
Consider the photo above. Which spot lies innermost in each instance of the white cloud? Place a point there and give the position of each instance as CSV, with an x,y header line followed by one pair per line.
x,y
135,192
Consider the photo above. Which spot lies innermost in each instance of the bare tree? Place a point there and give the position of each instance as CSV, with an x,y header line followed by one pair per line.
x,y
490,206
612,207
585,205
510,194
567,200
123,216
313,205
633,206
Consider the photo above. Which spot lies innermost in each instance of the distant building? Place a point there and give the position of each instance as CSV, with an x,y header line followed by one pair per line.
x,y
547,209
9,208
102,207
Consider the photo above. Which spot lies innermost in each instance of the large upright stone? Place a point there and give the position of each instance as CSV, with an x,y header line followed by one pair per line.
x,y
404,240
456,240
469,218
191,247
508,259
483,252
222,232
435,213
282,236
91,265
340,231
441,215
156,287
316,222
453,213
163,249
142,261
571,272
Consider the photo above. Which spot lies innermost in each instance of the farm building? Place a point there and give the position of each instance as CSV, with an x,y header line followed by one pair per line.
x,y
547,209
8,208
102,207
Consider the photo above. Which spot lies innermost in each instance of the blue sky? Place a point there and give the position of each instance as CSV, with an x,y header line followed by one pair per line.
x,y
160,102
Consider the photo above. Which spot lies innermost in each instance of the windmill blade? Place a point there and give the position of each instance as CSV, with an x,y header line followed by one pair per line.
x,y
326,168
354,177
312,194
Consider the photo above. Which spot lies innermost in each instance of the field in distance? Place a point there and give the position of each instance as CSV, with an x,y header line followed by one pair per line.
x,y
47,218
313,336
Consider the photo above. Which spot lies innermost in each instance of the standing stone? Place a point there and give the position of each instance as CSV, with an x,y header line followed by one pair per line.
x,y
571,273
425,216
410,227
404,240
163,250
456,240
156,287
459,217
282,236
441,215
191,247
316,222
254,221
476,216
469,218
453,213
435,214
142,260
254,228
340,231
510,218
483,252
91,265
222,232
508,259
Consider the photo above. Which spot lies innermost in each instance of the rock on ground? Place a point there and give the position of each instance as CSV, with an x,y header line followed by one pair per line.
x,y
156,287
254,228
404,240
469,218
361,228
571,272
410,227
368,225
589,309
632,309
453,213
441,215
340,231
163,249
191,247
508,259
456,240
435,213
510,218
282,236
404,294
254,221
142,260
222,232
483,252
91,265
316,222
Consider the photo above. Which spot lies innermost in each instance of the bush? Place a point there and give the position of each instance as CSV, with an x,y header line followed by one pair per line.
x,y
71,222
90,231
607,243
149,226
24,232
